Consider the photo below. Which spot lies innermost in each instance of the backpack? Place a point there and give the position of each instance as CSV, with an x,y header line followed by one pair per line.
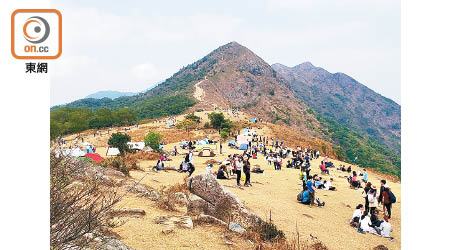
x,y
392,198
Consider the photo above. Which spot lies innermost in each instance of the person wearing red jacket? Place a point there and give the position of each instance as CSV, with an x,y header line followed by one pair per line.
x,y
387,205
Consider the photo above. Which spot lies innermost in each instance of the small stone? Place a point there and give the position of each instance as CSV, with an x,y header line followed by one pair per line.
x,y
228,243
236,227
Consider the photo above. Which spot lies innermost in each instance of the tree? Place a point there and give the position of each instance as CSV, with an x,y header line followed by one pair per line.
x,y
119,140
187,124
225,133
153,140
218,121
192,117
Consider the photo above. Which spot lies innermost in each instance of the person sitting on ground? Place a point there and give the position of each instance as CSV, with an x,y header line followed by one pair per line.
x,y
208,169
323,169
306,197
374,219
385,228
159,166
184,167
318,183
355,183
221,173
349,169
257,170
356,218
365,223
328,185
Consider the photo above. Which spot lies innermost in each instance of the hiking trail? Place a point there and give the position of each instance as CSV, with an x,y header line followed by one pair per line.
x,y
198,94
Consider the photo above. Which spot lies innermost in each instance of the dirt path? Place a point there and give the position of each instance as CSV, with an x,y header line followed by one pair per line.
x,y
198,94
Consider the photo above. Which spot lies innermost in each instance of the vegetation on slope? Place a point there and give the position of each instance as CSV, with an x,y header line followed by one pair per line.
x,y
352,145
68,120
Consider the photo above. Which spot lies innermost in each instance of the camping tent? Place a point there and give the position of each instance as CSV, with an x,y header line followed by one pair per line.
x,y
231,143
253,120
136,145
74,152
112,152
243,146
206,152
95,157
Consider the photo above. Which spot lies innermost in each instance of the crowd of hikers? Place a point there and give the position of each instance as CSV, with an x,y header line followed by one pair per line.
x,y
365,218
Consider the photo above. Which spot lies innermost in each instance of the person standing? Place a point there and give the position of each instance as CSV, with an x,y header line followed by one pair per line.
x,y
365,176
175,150
364,195
387,205
247,173
372,198
238,165
382,183
220,147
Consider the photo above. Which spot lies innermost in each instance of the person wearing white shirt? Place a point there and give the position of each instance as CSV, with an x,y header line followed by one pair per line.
x,y
385,228
239,164
356,217
365,223
209,169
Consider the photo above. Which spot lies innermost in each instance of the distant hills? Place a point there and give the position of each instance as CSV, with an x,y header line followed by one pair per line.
x,y
343,99
334,107
110,94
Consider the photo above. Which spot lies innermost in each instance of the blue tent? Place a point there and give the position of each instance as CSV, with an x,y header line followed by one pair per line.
x,y
231,143
253,120
243,146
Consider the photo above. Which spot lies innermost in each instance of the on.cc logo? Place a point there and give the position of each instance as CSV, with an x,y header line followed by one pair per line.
x,y
36,29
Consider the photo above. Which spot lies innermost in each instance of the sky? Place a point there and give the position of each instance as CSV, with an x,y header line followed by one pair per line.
x,y
132,45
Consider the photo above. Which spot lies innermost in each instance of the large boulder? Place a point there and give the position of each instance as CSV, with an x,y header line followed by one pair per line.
x,y
213,199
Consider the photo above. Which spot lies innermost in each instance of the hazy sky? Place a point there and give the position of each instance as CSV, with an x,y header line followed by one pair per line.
x,y
130,45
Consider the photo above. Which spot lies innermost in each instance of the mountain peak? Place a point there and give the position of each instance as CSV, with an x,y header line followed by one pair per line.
x,y
304,66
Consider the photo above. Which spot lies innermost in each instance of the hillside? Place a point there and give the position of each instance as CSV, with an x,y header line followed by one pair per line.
x,y
341,98
232,76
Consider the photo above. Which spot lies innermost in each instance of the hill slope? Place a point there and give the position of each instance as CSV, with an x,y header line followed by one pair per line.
x,y
232,76
343,99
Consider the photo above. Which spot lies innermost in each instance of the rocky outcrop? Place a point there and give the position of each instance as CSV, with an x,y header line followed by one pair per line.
x,y
141,190
132,212
210,198
171,221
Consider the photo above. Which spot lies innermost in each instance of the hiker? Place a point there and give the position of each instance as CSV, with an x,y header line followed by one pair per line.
x,y
175,150
323,169
220,147
387,200
208,169
372,198
349,169
328,185
385,228
364,195
310,186
365,224
365,176
221,173
356,218
382,183
304,178
159,166
354,182
238,163
247,173
374,219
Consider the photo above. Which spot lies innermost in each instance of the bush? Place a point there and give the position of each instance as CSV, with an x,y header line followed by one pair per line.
x,y
119,140
79,204
153,140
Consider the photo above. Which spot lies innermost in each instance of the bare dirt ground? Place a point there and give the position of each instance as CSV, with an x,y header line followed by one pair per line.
x,y
273,191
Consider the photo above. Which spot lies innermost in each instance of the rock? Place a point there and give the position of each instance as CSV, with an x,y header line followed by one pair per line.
x,y
167,230
209,197
108,243
380,247
134,212
143,191
228,242
203,218
175,220
180,198
236,227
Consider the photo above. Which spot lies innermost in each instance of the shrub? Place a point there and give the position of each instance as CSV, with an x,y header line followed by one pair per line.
x,y
119,140
77,208
153,140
